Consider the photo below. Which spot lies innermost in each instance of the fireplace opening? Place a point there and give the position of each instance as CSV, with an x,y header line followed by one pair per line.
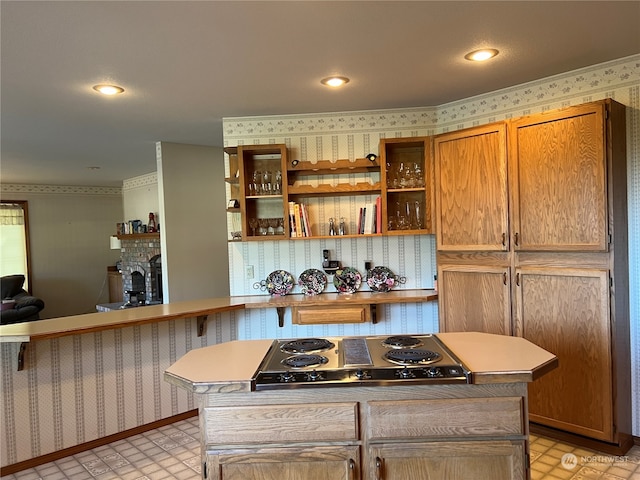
x,y
137,282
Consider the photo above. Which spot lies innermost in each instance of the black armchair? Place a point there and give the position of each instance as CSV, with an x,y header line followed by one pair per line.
x,y
17,305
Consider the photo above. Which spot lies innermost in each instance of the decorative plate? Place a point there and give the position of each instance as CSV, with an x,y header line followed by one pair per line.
x,y
347,280
312,281
278,282
381,279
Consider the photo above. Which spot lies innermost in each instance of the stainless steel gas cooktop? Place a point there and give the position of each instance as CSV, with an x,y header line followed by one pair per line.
x,y
357,361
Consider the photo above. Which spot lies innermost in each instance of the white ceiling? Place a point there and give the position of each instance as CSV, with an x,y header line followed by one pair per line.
x,y
187,64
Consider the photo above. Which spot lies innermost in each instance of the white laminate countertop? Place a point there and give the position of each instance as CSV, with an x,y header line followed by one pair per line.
x,y
491,358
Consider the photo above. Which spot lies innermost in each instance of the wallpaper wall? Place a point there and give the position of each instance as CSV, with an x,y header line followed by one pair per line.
x,y
79,388
353,135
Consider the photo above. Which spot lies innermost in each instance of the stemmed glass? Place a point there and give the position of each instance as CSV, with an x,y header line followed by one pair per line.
x,y
256,185
273,224
266,183
253,223
263,224
277,187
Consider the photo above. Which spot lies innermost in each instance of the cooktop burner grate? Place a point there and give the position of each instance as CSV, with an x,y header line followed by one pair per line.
x,y
402,341
302,361
412,357
307,345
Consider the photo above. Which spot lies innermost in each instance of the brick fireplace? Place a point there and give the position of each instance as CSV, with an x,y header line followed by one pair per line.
x,y
141,269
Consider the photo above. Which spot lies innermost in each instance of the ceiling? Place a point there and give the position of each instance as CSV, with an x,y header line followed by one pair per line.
x,y
187,64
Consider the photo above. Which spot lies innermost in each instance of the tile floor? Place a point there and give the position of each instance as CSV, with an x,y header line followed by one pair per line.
x,y
173,452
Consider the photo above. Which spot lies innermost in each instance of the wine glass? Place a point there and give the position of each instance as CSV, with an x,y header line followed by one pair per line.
x,y
266,183
253,223
263,224
277,187
273,224
257,182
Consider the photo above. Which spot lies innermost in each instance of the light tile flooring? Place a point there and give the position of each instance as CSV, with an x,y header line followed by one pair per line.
x,y
173,452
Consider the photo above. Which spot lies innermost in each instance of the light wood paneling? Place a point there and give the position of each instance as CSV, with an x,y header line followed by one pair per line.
x,y
445,418
502,460
311,463
566,311
281,423
471,189
557,169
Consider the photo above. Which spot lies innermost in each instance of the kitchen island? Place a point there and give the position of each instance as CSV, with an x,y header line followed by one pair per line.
x,y
475,430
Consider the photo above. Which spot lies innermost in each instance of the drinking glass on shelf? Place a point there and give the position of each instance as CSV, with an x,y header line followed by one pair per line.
x,y
401,178
391,175
277,185
418,175
263,224
253,223
416,218
266,183
280,227
273,224
257,183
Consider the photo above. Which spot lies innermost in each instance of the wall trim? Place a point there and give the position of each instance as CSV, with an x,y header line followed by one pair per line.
x,y
59,189
66,452
140,181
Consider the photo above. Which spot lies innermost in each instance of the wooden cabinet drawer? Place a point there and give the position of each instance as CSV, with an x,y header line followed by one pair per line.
x,y
471,417
331,314
281,423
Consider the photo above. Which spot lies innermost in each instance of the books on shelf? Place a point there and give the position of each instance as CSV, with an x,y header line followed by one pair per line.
x,y
299,223
369,220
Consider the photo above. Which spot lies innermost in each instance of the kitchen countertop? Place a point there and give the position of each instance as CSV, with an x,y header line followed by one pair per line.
x,y
91,322
229,367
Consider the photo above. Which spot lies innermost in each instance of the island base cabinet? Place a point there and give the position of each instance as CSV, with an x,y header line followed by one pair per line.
x,y
478,460
284,463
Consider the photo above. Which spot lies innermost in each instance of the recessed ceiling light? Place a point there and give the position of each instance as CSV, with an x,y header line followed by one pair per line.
x,y
93,168
334,81
108,89
481,55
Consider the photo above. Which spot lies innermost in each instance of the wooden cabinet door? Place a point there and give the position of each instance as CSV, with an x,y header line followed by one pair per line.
x,y
471,189
116,292
566,311
474,298
286,463
557,173
480,460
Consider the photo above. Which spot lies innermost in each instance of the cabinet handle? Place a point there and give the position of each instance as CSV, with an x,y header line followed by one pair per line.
x,y
504,239
352,469
378,468
518,279
516,239
504,278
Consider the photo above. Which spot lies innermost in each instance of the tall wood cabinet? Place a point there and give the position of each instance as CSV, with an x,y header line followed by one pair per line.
x,y
532,241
